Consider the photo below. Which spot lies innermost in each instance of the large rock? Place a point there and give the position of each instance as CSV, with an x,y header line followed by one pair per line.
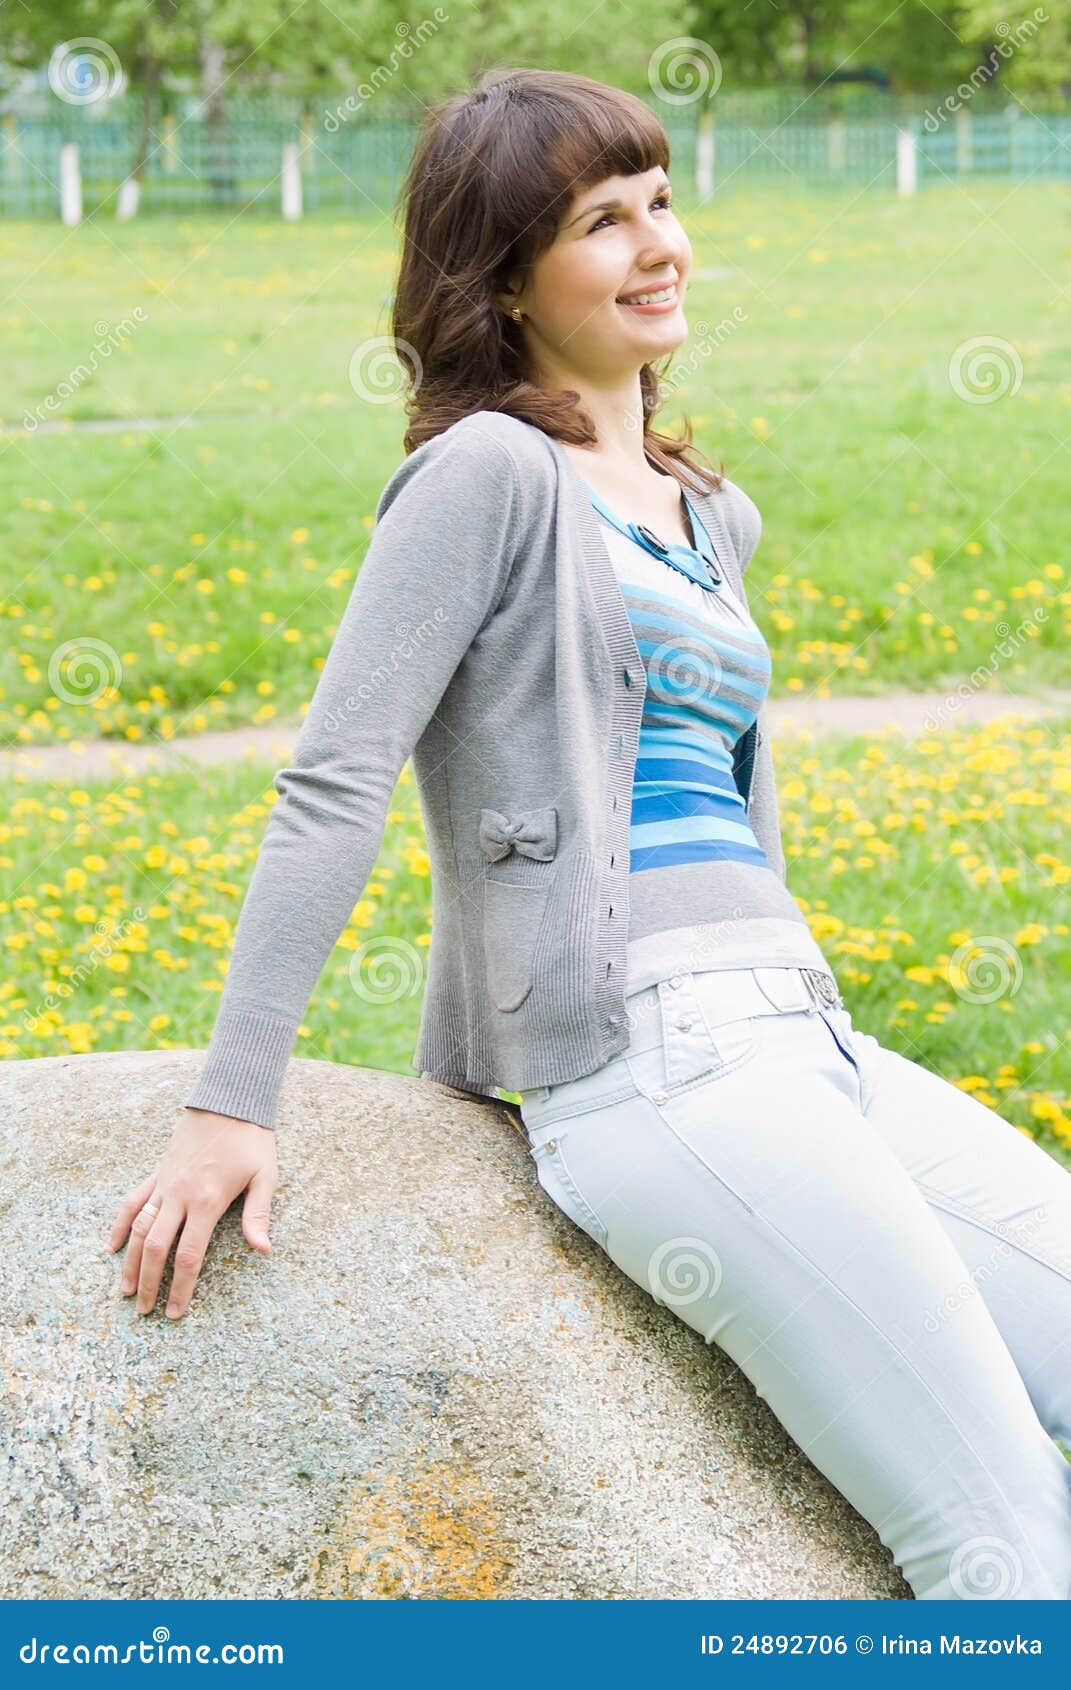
x,y
435,1385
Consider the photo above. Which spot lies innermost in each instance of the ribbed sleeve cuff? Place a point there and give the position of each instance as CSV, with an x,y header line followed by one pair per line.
x,y
243,1071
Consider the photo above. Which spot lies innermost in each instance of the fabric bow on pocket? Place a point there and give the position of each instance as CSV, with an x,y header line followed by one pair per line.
x,y
532,834
517,883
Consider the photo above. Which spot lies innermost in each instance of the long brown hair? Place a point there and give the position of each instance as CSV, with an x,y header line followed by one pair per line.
x,y
493,174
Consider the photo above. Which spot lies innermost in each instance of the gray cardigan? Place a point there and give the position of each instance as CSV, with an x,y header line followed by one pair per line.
x,y
485,636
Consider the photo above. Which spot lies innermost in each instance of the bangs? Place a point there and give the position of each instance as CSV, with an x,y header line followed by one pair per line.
x,y
573,137
606,139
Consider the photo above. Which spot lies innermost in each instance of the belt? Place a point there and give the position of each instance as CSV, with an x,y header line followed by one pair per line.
x,y
725,994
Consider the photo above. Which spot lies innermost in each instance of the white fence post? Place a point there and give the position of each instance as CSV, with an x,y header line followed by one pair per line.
x,y
291,181
129,197
704,155
907,162
70,183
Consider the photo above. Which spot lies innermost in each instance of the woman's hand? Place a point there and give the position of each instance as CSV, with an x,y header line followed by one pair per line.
x,y
209,1160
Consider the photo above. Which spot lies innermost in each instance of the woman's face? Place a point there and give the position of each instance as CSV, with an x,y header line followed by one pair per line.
x,y
575,318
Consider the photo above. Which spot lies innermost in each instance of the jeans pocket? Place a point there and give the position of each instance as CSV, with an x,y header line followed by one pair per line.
x,y
654,1075
550,1150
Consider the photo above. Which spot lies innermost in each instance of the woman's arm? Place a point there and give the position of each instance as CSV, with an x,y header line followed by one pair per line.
x,y
448,526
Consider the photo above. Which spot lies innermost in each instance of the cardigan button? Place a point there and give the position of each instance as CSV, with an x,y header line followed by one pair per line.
x,y
628,678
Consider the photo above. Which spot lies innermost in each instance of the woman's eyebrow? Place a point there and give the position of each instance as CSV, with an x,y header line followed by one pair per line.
x,y
612,205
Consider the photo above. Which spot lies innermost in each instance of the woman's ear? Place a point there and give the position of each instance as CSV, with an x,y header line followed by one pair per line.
x,y
508,298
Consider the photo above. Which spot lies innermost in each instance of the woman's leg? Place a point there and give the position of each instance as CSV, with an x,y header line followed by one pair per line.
x,y
1004,1203
751,1194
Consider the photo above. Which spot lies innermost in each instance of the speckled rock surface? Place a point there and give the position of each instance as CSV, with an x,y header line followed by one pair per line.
x,y
435,1386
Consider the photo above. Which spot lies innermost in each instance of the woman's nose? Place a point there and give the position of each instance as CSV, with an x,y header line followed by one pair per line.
x,y
664,245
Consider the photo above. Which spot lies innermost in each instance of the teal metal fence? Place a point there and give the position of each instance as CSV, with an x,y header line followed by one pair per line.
x,y
353,162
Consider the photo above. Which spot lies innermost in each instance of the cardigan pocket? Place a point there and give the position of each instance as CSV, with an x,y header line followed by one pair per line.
x,y
516,893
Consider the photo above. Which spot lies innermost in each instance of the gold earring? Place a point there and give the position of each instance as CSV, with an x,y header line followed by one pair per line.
x,y
517,314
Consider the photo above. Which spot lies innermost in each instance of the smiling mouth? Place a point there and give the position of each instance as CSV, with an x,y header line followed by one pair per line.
x,y
652,296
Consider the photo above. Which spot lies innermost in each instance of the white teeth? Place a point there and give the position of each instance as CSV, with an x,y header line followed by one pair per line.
x,y
650,298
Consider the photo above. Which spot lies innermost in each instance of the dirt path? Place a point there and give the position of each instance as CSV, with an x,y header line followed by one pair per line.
x,y
911,714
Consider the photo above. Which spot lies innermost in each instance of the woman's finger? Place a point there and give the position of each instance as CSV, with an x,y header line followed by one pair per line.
x,y
189,1258
155,1251
143,1221
130,1206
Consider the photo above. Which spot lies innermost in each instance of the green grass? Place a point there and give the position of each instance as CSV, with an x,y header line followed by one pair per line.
x,y
905,529
907,534
933,877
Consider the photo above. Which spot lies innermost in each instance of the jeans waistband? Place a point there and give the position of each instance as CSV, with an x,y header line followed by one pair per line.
x,y
711,997
684,1010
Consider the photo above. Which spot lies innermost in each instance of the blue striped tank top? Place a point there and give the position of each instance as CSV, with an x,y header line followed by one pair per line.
x,y
707,669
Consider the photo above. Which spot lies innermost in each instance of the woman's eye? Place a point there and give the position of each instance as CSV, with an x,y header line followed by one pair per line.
x,y
659,199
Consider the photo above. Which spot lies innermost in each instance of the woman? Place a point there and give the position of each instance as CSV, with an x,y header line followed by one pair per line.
x,y
551,619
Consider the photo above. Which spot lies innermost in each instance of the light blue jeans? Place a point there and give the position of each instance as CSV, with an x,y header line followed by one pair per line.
x,y
887,1259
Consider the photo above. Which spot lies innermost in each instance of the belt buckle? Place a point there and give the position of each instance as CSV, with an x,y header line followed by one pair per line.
x,y
822,983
